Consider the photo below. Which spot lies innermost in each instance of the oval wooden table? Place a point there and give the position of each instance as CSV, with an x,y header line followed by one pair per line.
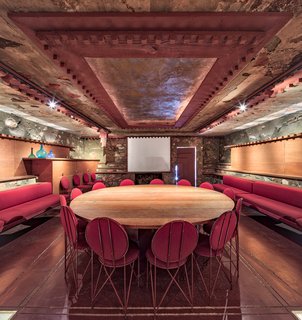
x,y
151,206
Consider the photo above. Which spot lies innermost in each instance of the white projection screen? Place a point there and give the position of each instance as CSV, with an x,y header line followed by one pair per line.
x,y
149,154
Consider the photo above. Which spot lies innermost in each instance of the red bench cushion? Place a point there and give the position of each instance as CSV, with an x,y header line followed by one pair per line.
x,y
16,196
29,209
239,183
288,195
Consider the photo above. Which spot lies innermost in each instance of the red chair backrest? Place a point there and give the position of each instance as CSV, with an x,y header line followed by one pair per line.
x,y
238,208
93,177
76,180
127,182
86,178
184,182
174,241
223,230
63,201
157,181
98,185
107,238
69,223
75,192
64,183
230,193
206,185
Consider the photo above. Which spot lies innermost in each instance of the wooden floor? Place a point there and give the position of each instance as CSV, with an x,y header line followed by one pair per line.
x,y
270,284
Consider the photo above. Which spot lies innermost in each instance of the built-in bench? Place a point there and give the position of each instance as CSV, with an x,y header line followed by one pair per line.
x,y
23,203
280,202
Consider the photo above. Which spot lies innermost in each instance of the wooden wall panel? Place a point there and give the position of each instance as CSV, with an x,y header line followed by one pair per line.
x,y
282,157
7,166
293,157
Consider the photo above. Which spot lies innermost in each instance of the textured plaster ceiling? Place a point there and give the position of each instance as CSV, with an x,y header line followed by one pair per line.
x,y
136,86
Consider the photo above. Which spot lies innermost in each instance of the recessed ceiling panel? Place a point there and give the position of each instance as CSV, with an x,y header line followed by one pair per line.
x,y
151,90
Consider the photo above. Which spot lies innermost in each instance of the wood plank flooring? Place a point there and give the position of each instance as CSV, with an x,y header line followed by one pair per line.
x,y
270,285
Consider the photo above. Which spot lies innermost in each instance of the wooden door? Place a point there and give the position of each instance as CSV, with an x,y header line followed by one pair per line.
x,y
186,164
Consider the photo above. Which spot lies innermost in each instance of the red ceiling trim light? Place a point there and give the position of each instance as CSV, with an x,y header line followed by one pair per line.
x,y
232,38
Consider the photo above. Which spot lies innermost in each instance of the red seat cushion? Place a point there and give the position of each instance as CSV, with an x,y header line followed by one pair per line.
x,y
163,265
277,208
131,255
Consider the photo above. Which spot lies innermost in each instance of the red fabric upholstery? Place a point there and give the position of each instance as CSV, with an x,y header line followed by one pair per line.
x,y
64,183
63,201
26,202
157,181
230,193
16,196
86,178
221,187
163,265
289,195
29,209
75,192
277,208
239,183
206,185
70,224
184,182
98,185
126,182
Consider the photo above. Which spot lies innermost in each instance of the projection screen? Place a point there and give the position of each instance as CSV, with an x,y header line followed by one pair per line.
x,y
150,154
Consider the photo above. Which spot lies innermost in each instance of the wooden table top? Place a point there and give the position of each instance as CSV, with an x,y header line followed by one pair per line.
x,y
151,206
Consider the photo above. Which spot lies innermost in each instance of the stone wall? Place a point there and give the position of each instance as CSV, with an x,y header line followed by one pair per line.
x,y
22,128
207,157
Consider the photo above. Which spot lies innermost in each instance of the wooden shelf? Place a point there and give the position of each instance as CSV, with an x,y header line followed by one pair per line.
x,y
17,178
6,136
291,136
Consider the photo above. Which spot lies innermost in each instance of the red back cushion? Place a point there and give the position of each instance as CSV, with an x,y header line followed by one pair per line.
x,y
174,241
289,195
239,183
64,183
76,180
13,197
107,238
86,178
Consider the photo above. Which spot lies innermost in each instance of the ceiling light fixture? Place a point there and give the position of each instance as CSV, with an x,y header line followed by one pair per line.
x,y
242,106
52,104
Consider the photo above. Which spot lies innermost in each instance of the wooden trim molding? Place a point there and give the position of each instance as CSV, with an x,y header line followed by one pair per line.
x,y
290,136
6,136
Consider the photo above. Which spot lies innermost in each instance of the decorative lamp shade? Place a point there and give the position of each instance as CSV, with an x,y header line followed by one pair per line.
x,y
103,138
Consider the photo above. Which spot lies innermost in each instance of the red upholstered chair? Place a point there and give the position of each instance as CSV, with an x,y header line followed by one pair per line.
x,y
238,208
86,179
207,227
213,246
171,246
127,182
75,242
98,185
63,201
184,182
65,187
206,185
109,241
77,183
157,181
75,192
94,179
